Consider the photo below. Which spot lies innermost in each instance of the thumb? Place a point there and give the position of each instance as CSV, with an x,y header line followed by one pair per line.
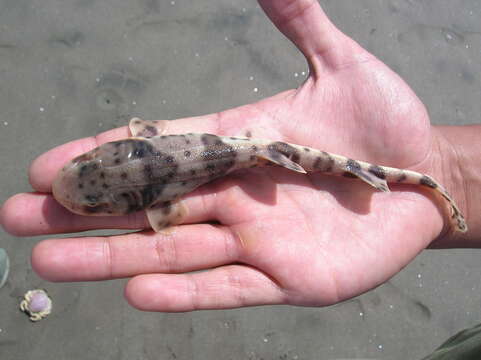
x,y
308,27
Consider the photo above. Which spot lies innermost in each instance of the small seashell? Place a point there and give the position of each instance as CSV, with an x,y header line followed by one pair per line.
x,y
37,304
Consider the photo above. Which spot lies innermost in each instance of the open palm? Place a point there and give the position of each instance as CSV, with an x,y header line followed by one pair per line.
x,y
268,236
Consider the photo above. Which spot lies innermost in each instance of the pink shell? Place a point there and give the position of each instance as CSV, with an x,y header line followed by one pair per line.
x,y
39,302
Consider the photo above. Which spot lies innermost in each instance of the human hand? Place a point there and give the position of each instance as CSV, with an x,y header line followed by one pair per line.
x,y
281,238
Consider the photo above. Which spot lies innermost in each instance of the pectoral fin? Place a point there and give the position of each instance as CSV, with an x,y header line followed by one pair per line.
x,y
281,160
165,214
373,177
144,128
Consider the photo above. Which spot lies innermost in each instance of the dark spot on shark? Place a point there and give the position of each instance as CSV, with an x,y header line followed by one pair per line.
x,y
330,162
134,203
401,177
209,139
166,208
210,167
353,165
285,149
377,171
85,170
141,149
149,193
427,181
149,131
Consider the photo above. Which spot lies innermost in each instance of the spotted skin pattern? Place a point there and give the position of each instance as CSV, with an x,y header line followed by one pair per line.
x,y
151,172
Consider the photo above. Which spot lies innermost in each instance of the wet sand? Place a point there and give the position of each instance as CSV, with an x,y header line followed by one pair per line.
x,y
74,68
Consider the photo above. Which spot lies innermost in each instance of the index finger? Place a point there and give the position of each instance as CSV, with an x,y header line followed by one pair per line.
x,y
44,168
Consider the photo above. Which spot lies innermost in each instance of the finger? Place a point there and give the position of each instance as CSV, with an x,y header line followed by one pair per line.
x,y
187,248
230,122
31,214
222,288
307,26
44,169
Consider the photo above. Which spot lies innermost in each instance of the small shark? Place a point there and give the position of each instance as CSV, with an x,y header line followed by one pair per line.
x,y
150,171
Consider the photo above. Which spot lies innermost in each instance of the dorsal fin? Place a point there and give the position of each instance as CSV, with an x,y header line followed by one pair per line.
x,y
145,128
